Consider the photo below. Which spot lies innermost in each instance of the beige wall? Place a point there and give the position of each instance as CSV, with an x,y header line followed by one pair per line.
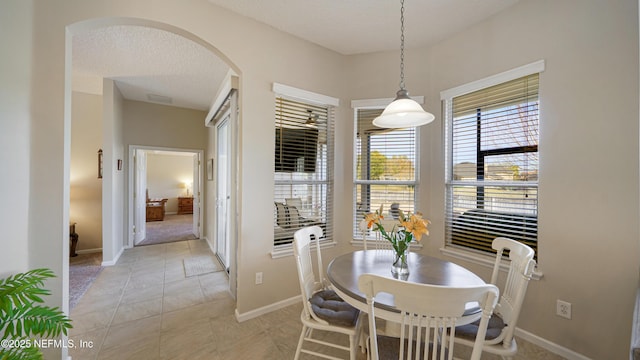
x,y
588,235
148,124
15,146
588,223
165,174
113,181
85,187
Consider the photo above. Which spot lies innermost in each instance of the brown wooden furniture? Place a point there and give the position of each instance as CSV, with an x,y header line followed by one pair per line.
x,y
155,209
185,205
73,239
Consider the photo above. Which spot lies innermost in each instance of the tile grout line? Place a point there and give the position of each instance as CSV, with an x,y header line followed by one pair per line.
x,y
108,328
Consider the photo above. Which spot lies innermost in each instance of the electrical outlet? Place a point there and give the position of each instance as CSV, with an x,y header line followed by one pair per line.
x,y
258,278
563,309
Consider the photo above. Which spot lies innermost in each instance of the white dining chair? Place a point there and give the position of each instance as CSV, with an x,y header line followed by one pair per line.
x,y
322,308
499,337
428,316
377,241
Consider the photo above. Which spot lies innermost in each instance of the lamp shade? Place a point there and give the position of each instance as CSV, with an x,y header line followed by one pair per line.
x,y
403,112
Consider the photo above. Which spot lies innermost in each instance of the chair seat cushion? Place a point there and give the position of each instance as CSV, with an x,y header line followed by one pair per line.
x,y
494,329
328,306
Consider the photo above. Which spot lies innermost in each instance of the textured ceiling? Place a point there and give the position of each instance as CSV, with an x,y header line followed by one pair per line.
x,y
153,65
147,63
363,26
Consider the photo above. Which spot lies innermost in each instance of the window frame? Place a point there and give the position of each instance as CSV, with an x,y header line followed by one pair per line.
x,y
460,251
331,103
379,104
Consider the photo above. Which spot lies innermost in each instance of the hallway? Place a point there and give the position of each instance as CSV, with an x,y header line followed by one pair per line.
x,y
145,308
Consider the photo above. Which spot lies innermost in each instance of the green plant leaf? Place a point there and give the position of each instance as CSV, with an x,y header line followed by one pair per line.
x,y
21,316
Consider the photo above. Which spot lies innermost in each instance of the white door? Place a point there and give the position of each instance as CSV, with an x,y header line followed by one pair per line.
x,y
223,196
196,195
140,195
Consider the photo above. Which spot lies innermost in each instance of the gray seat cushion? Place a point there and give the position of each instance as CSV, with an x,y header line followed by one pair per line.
x,y
493,329
328,306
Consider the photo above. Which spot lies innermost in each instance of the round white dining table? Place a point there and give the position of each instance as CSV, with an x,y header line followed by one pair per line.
x,y
343,273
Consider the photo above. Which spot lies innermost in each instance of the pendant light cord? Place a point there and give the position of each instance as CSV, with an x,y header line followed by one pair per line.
x,y
401,44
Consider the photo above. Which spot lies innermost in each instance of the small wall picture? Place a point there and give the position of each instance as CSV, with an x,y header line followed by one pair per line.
x,y
210,170
100,164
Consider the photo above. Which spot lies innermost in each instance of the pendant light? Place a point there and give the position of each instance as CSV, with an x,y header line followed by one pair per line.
x,y
403,112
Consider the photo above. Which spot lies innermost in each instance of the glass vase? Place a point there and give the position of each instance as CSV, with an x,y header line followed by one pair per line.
x,y
400,266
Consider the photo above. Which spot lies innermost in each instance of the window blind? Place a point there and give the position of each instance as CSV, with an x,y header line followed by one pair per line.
x,y
492,184
303,165
385,168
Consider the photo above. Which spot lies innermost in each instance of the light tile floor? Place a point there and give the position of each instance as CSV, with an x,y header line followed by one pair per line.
x,y
145,308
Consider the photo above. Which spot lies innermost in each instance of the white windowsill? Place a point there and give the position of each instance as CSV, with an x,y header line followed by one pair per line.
x,y
287,250
359,243
484,260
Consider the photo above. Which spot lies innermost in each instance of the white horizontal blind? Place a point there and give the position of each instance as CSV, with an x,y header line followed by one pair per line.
x,y
492,185
385,168
303,168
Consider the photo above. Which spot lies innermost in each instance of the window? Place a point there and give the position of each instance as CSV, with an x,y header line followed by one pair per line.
x,y
385,168
303,166
492,159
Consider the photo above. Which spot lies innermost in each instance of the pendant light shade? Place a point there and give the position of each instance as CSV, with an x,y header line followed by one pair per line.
x,y
403,112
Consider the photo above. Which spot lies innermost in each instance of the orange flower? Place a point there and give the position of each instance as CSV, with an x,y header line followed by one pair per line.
x,y
416,225
372,218
412,226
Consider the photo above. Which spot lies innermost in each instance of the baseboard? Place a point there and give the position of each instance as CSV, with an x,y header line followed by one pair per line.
x,y
89,251
267,309
114,261
208,244
548,345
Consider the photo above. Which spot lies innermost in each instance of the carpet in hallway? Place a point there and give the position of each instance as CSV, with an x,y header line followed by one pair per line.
x,y
83,270
172,228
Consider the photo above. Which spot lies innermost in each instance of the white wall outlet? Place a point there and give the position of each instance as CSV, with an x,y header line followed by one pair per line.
x,y
563,309
258,278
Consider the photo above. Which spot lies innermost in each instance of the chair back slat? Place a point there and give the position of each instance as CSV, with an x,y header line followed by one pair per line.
x,y
325,301
302,253
428,314
521,266
372,238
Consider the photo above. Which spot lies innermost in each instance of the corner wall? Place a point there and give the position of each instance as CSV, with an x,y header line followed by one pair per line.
x,y
589,250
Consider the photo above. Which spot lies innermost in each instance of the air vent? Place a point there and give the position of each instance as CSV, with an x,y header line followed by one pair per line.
x,y
159,99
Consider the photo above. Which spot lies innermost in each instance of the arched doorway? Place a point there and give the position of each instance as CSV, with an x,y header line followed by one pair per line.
x,y
117,206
